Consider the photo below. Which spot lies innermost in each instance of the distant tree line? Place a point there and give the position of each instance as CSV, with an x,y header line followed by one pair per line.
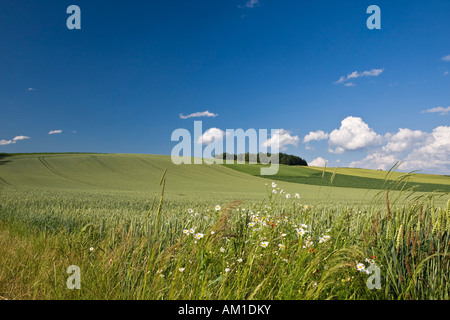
x,y
286,159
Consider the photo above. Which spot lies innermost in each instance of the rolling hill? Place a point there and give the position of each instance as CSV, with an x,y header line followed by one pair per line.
x,y
140,174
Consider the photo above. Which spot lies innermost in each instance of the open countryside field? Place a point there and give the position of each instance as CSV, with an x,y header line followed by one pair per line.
x,y
211,232
353,178
139,175
380,174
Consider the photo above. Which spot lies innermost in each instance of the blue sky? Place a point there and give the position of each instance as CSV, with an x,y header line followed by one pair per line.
x,y
121,82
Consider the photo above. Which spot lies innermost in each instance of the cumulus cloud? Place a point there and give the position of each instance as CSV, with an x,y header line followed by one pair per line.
x,y
433,154
404,140
13,140
55,132
315,136
31,89
443,111
354,134
210,136
357,74
283,138
376,160
199,114
416,150
318,162
446,58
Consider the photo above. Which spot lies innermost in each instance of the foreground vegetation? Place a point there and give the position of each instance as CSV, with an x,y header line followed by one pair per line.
x,y
277,249
167,243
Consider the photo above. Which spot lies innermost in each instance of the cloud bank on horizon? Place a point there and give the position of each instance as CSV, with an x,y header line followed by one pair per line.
x,y
415,149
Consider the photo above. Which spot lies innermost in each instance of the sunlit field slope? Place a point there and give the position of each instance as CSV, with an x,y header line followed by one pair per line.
x,y
353,178
139,175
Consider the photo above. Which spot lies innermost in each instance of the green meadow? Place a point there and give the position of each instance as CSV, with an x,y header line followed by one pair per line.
x,y
353,178
140,227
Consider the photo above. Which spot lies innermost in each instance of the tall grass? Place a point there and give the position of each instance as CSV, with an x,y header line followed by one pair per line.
x,y
136,248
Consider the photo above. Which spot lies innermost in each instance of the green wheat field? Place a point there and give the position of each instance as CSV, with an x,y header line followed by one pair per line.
x,y
140,227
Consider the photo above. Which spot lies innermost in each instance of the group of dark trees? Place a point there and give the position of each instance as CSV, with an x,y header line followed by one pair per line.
x,y
284,158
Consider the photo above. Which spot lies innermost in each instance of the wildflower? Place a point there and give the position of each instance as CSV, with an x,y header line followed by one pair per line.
x,y
281,246
192,230
285,260
264,244
274,191
190,211
239,260
227,269
212,232
251,224
297,196
217,208
300,232
199,236
186,231
360,267
91,249
324,238
309,243
288,196
283,234
222,250
181,269
274,185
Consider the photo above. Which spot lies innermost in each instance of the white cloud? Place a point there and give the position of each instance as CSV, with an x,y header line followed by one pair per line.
x,y
210,135
315,136
350,84
13,140
416,149
55,132
20,138
283,138
433,154
446,73
354,134
404,140
31,89
357,74
199,114
376,160
250,4
446,58
442,110
318,162
5,142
